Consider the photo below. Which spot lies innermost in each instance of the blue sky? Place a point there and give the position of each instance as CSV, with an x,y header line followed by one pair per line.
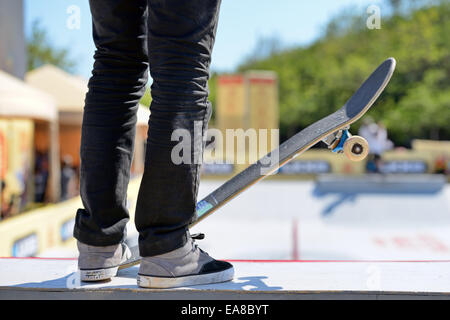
x,y
241,24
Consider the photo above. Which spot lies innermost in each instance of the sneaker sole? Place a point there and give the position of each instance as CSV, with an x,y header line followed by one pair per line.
x,y
98,274
191,280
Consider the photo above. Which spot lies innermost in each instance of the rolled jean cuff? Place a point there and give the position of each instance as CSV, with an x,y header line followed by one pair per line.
x,y
100,238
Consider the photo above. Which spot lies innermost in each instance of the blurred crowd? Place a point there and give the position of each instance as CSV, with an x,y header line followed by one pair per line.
x,y
14,195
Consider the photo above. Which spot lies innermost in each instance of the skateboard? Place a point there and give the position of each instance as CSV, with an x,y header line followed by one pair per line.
x,y
333,130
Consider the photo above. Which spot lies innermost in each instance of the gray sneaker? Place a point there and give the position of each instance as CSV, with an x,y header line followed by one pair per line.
x,y
186,266
101,263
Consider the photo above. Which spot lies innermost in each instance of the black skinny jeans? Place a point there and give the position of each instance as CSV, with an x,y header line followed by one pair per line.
x,y
175,39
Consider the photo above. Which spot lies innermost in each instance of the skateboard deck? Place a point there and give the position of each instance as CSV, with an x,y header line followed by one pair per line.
x,y
339,121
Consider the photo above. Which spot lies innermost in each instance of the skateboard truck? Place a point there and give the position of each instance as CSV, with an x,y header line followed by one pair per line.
x,y
355,148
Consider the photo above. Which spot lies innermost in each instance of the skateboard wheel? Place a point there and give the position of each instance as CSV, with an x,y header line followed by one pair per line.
x,y
356,148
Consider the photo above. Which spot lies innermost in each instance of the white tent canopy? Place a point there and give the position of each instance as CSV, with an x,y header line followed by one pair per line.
x,y
69,91
17,99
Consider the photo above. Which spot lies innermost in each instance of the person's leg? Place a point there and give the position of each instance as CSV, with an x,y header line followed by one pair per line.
x,y
108,131
181,35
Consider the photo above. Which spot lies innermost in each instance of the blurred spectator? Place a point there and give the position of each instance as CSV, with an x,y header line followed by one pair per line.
x,y
40,177
384,144
368,130
4,210
377,137
24,176
8,201
440,165
374,163
68,178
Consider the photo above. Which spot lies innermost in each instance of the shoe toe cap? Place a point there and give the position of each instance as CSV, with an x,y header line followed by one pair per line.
x,y
215,266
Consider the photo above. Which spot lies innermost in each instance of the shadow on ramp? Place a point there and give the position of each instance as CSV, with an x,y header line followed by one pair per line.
x,y
71,282
377,189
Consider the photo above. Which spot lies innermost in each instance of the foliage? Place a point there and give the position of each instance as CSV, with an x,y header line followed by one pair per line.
x,y
40,51
316,80
146,99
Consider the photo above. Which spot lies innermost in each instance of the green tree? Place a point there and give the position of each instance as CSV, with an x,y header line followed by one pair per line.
x,y
40,51
317,79
146,99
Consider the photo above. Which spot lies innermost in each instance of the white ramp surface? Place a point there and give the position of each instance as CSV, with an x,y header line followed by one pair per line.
x,y
334,218
37,278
